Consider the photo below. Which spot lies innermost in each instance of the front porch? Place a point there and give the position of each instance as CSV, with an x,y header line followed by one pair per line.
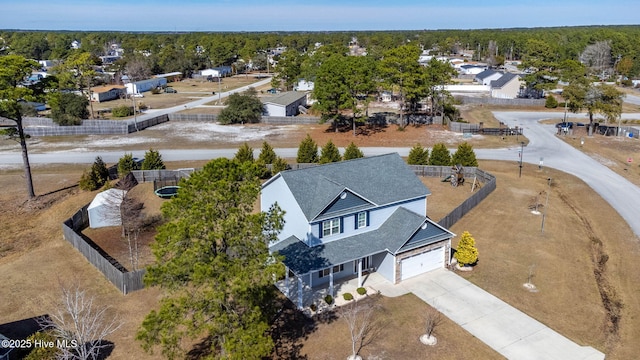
x,y
303,295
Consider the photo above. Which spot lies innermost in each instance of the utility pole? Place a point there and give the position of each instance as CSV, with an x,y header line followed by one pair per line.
x,y
521,156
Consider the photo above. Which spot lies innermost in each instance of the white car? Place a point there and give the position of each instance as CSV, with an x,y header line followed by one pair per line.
x,y
138,95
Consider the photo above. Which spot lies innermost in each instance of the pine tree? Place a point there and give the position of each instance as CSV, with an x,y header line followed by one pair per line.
x,y
551,102
126,164
100,168
267,154
418,155
440,155
465,155
244,154
213,264
352,152
329,153
88,180
307,151
152,160
466,253
279,164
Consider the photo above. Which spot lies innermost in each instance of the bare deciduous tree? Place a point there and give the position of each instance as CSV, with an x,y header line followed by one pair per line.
x,y
361,321
80,326
432,319
598,57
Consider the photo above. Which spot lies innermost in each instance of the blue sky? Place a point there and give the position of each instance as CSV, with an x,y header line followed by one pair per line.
x,y
294,15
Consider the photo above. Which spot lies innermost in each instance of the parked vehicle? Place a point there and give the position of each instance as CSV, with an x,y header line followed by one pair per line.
x,y
170,90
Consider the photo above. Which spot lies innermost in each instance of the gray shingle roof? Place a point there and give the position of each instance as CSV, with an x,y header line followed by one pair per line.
x,y
390,236
382,180
485,74
285,99
503,80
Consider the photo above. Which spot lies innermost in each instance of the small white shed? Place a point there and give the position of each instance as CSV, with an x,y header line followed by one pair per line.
x,y
104,210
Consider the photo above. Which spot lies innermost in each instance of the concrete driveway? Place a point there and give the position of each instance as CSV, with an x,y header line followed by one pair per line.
x,y
504,328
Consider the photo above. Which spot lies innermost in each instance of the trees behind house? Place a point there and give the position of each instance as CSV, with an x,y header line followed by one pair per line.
x,y
583,94
68,108
329,153
14,70
418,155
94,177
267,154
464,156
78,72
242,108
244,154
440,155
152,161
352,152
307,151
127,164
213,263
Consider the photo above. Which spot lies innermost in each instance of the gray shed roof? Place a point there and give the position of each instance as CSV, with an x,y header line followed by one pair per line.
x,y
381,180
394,236
504,80
485,74
285,98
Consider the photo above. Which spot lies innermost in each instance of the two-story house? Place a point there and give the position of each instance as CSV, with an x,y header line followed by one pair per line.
x,y
348,218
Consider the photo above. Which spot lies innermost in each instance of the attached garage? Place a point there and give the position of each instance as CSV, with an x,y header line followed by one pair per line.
x,y
422,263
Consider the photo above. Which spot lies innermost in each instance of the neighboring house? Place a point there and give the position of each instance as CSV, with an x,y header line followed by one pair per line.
x,y
507,87
304,85
171,77
285,104
216,72
345,219
472,69
104,210
106,93
487,76
386,96
145,85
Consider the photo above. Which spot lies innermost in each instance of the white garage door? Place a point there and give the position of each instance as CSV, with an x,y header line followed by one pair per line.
x,y
421,263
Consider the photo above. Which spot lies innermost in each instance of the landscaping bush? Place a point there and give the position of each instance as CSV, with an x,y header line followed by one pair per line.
x,y
347,296
328,299
551,102
122,111
361,290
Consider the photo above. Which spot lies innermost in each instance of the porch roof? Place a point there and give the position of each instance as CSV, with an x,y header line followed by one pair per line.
x,y
391,236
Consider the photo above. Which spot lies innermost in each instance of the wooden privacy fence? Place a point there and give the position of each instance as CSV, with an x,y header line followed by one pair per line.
x,y
487,180
117,274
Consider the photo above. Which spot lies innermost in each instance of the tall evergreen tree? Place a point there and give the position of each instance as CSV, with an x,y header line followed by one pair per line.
x,y
152,160
307,151
244,153
440,155
212,261
465,155
352,152
329,153
14,70
418,155
126,164
279,164
267,154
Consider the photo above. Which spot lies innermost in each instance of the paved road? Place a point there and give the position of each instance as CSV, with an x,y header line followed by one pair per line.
x,y
543,143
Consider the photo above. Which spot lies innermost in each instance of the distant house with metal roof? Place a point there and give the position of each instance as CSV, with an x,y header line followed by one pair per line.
x,y
108,92
285,104
352,217
508,86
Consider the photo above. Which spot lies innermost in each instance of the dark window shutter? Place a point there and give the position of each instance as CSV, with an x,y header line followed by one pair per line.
x,y
355,221
320,230
367,218
341,225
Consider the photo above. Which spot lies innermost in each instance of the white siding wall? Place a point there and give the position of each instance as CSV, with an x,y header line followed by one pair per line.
x,y
295,222
387,268
376,218
275,110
